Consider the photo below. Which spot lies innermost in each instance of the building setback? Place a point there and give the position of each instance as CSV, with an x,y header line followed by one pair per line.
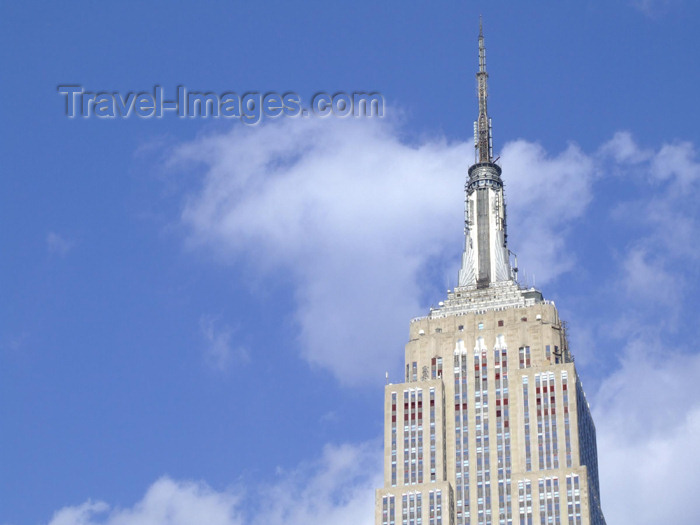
x,y
491,425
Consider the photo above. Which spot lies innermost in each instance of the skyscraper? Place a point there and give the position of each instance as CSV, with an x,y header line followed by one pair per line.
x,y
491,425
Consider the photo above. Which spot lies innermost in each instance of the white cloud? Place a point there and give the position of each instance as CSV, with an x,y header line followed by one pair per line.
x,y
544,195
647,279
653,8
352,217
338,488
648,423
166,502
79,514
57,244
658,264
624,150
677,161
219,352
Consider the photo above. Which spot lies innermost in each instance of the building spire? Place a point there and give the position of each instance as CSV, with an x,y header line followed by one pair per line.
x,y
482,127
485,259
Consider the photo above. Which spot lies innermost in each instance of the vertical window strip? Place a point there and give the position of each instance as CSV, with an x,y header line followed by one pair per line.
x,y
461,441
521,502
555,501
419,409
543,508
413,436
483,479
546,410
433,466
567,425
503,435
406,440
404,509
526,420
573,499
577,500
412,510
464,374
412,421
553,419
393,439
540,422
549,500
524,357
547,437
525,502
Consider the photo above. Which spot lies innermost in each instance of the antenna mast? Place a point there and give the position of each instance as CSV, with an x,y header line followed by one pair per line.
x,y
482,127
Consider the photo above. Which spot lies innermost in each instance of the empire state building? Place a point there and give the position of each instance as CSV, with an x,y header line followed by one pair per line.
x,y
491,425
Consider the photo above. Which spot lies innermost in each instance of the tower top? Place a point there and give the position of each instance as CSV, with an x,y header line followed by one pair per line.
x,y
487,279
482,49
482,127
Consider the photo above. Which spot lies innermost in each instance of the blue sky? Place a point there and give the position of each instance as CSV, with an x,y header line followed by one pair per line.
x,y
197,312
